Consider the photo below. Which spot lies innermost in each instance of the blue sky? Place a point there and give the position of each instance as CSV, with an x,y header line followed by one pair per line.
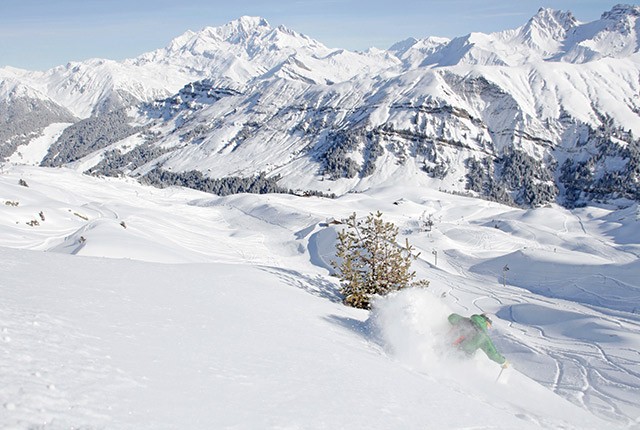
x,y
39,34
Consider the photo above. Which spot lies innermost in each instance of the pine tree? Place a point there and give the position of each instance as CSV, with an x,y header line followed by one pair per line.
x,y
371,262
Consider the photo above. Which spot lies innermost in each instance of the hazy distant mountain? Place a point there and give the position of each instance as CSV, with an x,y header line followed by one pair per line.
x,y
545,112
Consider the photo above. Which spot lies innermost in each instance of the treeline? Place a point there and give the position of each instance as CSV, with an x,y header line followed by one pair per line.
x,y
334,154
87,136
515,179
117,163
259,184
611,170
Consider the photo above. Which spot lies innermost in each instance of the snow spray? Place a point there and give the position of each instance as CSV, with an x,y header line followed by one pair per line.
x,y
412,326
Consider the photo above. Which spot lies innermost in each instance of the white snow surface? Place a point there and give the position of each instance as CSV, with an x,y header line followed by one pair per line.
x,y
130,307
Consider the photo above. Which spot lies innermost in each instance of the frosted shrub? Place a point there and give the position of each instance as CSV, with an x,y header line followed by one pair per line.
x,y
371,262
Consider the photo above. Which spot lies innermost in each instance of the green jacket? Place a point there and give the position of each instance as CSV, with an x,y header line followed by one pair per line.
x,y
470,334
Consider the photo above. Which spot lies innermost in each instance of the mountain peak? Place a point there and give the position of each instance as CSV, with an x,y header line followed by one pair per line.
x,y
238,30
547,17
550,24
620,11
251,21
247,33
403,45
621,19
246,24
615,35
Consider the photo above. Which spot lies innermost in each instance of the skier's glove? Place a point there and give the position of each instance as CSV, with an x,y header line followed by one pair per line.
x,y
505,364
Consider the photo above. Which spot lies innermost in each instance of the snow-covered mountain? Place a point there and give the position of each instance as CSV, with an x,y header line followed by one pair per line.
x,y
547,112
238,51
551,35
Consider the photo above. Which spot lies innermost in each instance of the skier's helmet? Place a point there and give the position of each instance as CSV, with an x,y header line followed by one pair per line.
x,y
487,320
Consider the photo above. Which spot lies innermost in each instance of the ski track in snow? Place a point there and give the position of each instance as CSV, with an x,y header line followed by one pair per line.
x,y
594,375
580,365
591,359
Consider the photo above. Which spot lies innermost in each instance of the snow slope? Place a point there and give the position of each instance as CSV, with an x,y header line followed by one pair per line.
x,y
134,307
121,344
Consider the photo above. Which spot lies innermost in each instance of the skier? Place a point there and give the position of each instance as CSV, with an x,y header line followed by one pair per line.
x,y
470,334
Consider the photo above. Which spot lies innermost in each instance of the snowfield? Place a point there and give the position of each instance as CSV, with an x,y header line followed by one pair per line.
x,y
129,307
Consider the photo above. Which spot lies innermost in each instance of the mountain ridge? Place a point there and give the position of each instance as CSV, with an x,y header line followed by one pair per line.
x,y
521,116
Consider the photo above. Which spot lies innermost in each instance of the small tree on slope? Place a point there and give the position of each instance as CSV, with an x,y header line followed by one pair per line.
x,y
371,262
